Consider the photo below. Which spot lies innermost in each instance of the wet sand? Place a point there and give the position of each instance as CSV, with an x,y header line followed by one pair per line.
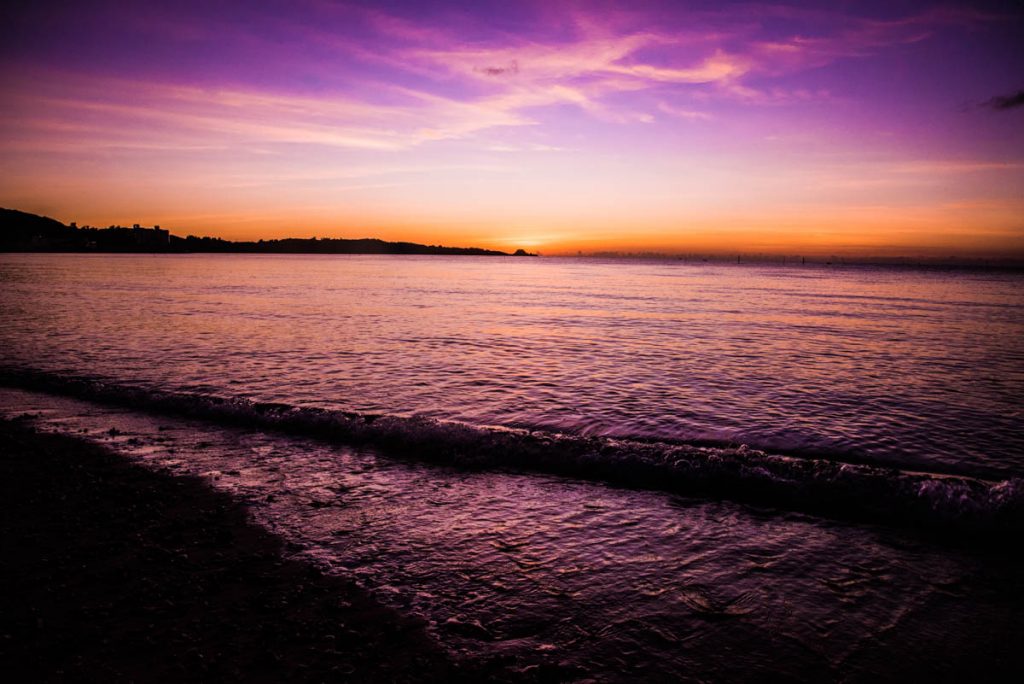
x,y
112,572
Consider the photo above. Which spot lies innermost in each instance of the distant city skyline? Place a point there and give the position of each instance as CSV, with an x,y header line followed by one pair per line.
x,y
873,129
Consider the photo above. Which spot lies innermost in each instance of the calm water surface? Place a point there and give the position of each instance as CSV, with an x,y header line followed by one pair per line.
x,y
908,367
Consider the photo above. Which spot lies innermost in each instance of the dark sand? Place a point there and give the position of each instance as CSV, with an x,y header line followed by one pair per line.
x,y
112,572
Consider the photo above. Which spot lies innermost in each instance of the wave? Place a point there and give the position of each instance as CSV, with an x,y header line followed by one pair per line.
x,y
840,489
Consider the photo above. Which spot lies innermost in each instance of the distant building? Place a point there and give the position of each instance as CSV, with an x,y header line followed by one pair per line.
x,y
150,237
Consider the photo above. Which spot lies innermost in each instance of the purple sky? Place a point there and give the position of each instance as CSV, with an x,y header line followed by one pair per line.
x,y
841,127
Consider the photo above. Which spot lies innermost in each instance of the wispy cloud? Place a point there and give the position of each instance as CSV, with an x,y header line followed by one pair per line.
x,y
1002,102
436,85
604,57
512,68
126,112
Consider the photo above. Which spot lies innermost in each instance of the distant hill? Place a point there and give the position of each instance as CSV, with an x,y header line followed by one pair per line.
x,y
21,227
24,232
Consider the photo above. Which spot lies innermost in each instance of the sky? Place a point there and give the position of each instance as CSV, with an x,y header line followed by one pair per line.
x,y
868,128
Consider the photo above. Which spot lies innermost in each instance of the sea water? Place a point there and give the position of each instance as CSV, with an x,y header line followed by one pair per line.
x,y
609,468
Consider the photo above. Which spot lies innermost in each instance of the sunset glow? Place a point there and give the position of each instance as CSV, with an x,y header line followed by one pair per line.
x,y
885,128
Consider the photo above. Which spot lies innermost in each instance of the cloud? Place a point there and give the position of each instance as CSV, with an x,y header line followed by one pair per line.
x,y
711,56
512,68
91,112
461,79
1002,102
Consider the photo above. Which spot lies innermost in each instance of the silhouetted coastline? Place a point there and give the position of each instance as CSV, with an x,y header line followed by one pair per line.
x,y
24,232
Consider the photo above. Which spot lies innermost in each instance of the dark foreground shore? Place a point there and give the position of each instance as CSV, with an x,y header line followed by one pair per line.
x,y
111,572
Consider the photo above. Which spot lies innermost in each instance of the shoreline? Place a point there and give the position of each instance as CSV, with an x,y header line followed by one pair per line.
x,y
955,508
114,572
121,572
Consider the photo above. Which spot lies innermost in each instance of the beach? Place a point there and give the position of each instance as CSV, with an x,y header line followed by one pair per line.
x,y
123,564
113,572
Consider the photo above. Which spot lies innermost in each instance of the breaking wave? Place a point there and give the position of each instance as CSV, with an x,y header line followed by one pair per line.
x,y
847,490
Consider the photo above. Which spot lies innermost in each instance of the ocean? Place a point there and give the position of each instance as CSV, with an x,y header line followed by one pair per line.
x,y
612,469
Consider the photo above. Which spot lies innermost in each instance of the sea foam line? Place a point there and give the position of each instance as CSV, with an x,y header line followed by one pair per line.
x,y
864,492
